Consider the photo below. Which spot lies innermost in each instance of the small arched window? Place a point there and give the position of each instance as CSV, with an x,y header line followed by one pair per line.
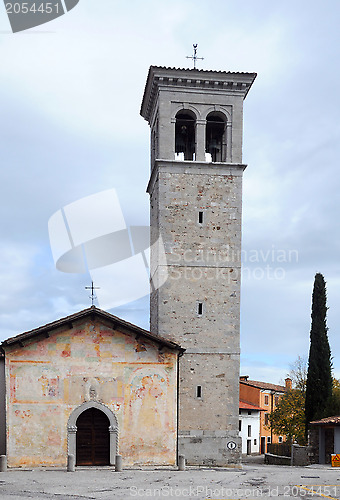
x,y
185,135
215,140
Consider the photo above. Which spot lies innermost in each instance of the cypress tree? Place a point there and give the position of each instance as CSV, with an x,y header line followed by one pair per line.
x,y
319,375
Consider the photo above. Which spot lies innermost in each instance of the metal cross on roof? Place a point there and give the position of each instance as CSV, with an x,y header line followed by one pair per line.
x,y
194,57
92,288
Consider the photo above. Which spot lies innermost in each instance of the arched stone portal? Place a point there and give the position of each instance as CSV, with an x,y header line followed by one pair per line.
x,y
72,428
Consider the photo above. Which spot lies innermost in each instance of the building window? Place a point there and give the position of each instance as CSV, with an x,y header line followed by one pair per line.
x,y
200,308
199,392
266,400
240,425
280,439
266,419
200,217
249,431
249,412
268,440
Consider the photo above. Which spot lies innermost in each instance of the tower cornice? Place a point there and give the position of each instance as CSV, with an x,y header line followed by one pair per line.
x,y
161,77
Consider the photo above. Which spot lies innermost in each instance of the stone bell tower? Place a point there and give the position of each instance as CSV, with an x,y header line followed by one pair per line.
x,y
195,192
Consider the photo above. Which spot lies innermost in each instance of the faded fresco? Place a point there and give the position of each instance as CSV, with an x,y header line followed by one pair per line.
x,y
49,378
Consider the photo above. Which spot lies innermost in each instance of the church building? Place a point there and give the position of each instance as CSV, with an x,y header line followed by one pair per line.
x,y
91,384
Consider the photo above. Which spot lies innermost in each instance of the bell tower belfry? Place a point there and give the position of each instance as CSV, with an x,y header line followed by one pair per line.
x,y
195,192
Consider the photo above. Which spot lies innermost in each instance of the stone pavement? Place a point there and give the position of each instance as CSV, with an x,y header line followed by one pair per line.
x,y
253,481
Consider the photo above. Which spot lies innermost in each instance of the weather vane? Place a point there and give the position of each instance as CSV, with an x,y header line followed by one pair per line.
x,y
194,57
92,288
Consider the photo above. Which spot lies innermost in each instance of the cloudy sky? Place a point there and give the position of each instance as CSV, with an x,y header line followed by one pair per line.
x,y
70,128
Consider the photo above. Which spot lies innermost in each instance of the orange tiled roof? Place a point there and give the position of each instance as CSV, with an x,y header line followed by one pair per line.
x,y
264,385
244,405
328,420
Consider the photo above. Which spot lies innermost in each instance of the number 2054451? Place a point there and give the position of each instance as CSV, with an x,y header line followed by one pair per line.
x,y
32,8
310,491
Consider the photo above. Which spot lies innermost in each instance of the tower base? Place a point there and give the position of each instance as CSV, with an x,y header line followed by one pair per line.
x,y
210,448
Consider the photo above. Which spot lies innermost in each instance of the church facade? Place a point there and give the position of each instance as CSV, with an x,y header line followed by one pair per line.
x,y
93,386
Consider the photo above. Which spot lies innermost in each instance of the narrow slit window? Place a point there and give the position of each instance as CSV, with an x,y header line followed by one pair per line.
x,y
200,217
199,391
200,308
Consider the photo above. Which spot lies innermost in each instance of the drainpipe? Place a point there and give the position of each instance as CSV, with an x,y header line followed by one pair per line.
x,y
3,409
177,423
271,409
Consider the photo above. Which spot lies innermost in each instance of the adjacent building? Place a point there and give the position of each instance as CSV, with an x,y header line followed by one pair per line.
x,y
266,396
324,440
249,428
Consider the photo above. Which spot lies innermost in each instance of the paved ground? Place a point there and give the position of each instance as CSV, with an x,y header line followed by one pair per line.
x,y
253,481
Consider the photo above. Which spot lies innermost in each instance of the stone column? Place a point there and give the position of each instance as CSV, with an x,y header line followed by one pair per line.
x,y
200,140
71,438
181,462
71,462
113,444
229,157
119,463
336,439
322,446
3,463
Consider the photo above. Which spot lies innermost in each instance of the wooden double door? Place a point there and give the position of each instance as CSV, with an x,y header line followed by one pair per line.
x,y
93,438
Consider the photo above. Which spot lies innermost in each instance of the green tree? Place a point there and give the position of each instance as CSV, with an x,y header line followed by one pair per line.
x,y
319,376
333,404
288,418
298,373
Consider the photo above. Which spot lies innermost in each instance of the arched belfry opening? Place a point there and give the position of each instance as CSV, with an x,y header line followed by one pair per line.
x,y
215,139
185,135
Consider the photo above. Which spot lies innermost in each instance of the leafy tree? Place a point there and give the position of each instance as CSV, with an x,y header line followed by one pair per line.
x,y
319,376
333,404
298,373
288,418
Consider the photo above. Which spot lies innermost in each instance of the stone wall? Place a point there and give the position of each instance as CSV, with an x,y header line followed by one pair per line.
x,y
300,455
210,448
270,459
203,265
